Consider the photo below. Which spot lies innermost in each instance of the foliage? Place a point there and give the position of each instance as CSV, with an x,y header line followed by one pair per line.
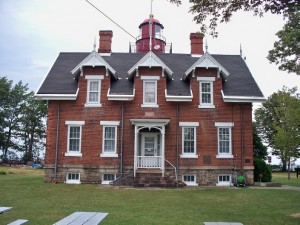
x,y
2,172
259,150
261,168
21,118
286,50
278,123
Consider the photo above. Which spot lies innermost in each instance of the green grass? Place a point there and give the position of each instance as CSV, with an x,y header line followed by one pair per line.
x,y
44,204
282,177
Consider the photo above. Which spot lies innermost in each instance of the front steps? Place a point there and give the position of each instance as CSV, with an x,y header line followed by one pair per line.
x,y
149,178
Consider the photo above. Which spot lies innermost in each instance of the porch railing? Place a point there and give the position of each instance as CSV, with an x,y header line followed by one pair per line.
x,y
149,161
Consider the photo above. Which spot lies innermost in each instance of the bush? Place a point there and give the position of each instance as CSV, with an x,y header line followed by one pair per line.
x,y
2,172
261,167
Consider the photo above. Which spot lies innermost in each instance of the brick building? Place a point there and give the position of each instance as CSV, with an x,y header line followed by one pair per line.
x,y
149,113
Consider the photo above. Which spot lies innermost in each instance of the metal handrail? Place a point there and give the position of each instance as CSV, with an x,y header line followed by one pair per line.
x,y
174,168
121,177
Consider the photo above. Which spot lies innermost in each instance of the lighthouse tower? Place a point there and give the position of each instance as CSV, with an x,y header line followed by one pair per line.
x,y
151,38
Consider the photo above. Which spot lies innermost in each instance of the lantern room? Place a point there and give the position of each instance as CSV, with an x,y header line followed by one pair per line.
x,y
151,36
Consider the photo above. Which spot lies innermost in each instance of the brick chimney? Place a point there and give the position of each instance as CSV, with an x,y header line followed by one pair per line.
x,y
196,43
105,41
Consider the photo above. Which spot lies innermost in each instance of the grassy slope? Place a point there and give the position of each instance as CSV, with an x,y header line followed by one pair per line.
x,y
44,204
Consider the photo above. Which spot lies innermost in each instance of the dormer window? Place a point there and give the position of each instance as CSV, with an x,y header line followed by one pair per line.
x,y
93,90
150,91
206,90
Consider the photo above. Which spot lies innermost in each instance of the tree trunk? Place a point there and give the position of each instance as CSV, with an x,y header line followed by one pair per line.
x,y
289,168
283,165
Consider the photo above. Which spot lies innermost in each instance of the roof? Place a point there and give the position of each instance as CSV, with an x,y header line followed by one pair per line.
x,y
239,84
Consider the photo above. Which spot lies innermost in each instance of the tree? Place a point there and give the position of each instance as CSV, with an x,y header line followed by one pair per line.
x,y
12,105
32,130
286,51
278,122
259,149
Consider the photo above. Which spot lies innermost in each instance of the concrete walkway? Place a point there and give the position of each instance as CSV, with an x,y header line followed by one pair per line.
x,y
221,223
283,187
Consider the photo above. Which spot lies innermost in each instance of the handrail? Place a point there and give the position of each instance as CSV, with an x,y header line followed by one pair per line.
x,y
123,176
174,168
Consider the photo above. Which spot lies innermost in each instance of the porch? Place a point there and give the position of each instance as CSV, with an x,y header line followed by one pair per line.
x,y
149,145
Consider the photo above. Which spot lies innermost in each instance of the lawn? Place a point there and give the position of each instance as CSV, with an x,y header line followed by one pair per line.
x,y
283,178
43,203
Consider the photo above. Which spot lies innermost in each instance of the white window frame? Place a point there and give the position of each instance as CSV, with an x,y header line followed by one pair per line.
x,y
224,125
73,181
184,126
190,183
145,80
93,78
209,80
224,183
111,124
107,181
74,124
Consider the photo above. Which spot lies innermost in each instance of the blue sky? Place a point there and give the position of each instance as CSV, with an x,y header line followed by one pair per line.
x,y
33,32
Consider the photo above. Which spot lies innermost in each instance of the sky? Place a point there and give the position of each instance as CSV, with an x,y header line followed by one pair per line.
x,y
34,32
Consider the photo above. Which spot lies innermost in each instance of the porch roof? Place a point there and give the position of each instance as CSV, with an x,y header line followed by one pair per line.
x,y
150,122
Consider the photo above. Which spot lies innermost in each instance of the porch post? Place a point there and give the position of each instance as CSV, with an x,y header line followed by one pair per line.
x,y
163,150
136,133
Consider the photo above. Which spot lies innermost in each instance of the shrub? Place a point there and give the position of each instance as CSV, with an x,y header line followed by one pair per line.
x,y
2,172
261,167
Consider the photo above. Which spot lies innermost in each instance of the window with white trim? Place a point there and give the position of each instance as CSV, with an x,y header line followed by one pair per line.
x,y
150,91
206,91
189,179
109,138
224,180
224,140
108,177
73,178
93,90
189,139
74,138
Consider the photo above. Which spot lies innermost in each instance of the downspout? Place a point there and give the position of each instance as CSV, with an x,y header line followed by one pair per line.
x,y
177,123
242,139
56,144
122,135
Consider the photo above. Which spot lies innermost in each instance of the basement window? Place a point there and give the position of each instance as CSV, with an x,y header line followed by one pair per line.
x,y
224,180
73,178
189,179
108,177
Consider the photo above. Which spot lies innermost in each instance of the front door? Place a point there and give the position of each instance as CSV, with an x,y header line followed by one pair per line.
x,y
149,144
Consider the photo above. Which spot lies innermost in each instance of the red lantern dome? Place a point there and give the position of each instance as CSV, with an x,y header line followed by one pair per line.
x,y
151,38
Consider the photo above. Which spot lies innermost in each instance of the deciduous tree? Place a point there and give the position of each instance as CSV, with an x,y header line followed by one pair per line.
x,y
278,122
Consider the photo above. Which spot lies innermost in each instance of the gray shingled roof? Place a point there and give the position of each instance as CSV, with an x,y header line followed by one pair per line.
x,y
239,83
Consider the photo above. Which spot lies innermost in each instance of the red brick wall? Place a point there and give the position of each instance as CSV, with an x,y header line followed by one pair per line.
x,y
188,112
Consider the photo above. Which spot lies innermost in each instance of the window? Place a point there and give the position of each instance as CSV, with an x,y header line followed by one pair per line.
x,y
206,92
224,140
189,139
74,138
224,180
108,177
150,91
189,179
109,138
73,178
93,90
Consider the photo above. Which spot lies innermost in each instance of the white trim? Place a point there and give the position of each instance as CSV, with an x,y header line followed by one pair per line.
x,y
109,155
223,183
206,79
189,124
252,99
72,122
73,154
190,183
113,97
94,77
224,124
57,96
150,77
188,156
107,181
110,123
174,98
224,156
150,104
72,181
